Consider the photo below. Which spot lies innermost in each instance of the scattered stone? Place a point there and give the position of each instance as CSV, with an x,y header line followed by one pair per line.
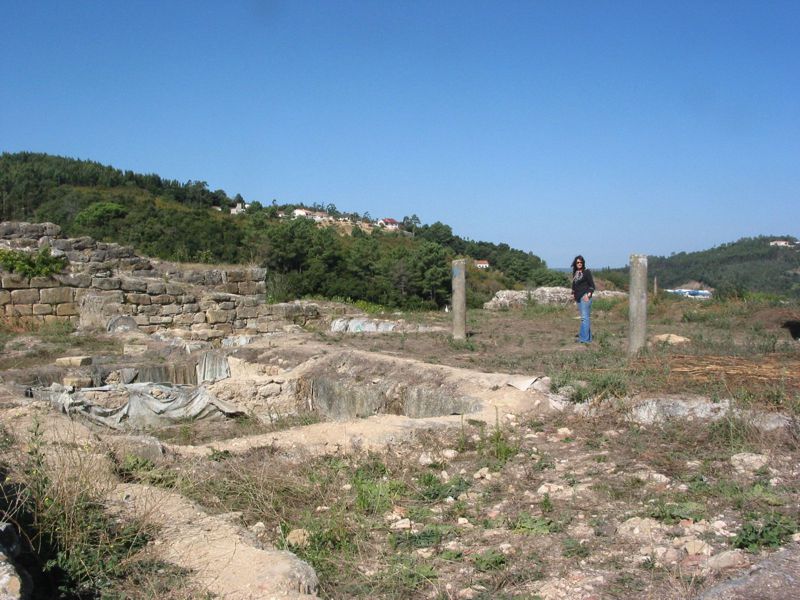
x,y
73,361
482,474
401,524
425,459
638,528
730,559
670,339
747,462
299,538
550,488
75,381
695,546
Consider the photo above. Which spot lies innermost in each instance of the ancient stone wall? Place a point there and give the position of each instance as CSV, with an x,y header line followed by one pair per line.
x,y
105,280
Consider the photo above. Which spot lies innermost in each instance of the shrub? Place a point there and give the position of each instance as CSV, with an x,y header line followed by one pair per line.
x,y
32,264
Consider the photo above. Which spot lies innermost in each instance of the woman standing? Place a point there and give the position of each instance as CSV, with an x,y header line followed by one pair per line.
x,y
582,290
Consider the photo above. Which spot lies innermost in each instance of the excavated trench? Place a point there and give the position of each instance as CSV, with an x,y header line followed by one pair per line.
x,y
262,382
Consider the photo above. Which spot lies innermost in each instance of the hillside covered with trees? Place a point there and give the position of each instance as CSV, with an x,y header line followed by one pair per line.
x,y
767,264
188,222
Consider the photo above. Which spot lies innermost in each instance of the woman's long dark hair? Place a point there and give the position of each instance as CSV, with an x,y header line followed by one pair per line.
x,y
574,263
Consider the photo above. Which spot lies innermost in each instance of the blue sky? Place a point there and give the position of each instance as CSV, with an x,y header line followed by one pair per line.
x,y
559,127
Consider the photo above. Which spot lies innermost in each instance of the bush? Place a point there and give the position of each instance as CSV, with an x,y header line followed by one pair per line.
x,y
28,264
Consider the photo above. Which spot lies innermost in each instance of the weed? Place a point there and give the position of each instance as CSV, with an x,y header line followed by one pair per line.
x,y
432,535
771,530
733,433
490,560
61,511
572,548
143,470
451,555
546,504
433,489
6,439
461,345
543,463
671,513
402,578
526,523
497,446
219,455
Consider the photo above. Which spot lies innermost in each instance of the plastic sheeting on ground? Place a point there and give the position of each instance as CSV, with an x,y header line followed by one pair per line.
x,y
139,405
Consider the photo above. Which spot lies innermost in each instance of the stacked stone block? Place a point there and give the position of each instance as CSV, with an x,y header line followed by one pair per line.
x,y
105,277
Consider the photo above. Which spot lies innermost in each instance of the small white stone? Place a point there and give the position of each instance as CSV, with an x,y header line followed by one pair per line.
x,y
401,524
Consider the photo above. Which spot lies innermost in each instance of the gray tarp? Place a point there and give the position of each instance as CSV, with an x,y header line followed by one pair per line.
x,y
139,405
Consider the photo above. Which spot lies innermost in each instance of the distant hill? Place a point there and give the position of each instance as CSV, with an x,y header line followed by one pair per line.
x,y
187,222
768,264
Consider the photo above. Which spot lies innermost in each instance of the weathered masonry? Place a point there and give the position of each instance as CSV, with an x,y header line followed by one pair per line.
x,y
104,280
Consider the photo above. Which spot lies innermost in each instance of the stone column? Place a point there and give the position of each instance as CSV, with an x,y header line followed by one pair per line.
x,y
459,273
637,330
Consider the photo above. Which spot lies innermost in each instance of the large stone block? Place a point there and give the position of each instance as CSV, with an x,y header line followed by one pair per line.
x,y
5,297
227,305
183,319
257,274
67,309
79,280
191,308
57,295
73,361
170,309
155,288
175,289
42,309
106,283
247,288
18,310
131,284
56,319
162,299
160,320
235,276
246,312
230,288
219,316
43,282
28,296
142,299
13,281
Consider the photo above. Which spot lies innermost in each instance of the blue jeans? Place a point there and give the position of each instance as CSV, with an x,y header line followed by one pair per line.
x,y
585,308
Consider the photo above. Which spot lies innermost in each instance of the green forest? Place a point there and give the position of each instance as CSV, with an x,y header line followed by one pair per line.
x,y
734,269
187,222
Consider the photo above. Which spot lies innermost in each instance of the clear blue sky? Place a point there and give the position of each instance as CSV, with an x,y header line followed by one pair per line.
x,y
559,127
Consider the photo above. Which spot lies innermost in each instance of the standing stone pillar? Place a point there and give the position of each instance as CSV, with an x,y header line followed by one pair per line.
x,y
459,273
637,330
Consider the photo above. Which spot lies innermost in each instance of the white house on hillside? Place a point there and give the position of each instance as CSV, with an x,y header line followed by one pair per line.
x,y
481,264
240,208
389,223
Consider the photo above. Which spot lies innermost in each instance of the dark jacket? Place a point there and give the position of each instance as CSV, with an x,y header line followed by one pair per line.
x,y
582,285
